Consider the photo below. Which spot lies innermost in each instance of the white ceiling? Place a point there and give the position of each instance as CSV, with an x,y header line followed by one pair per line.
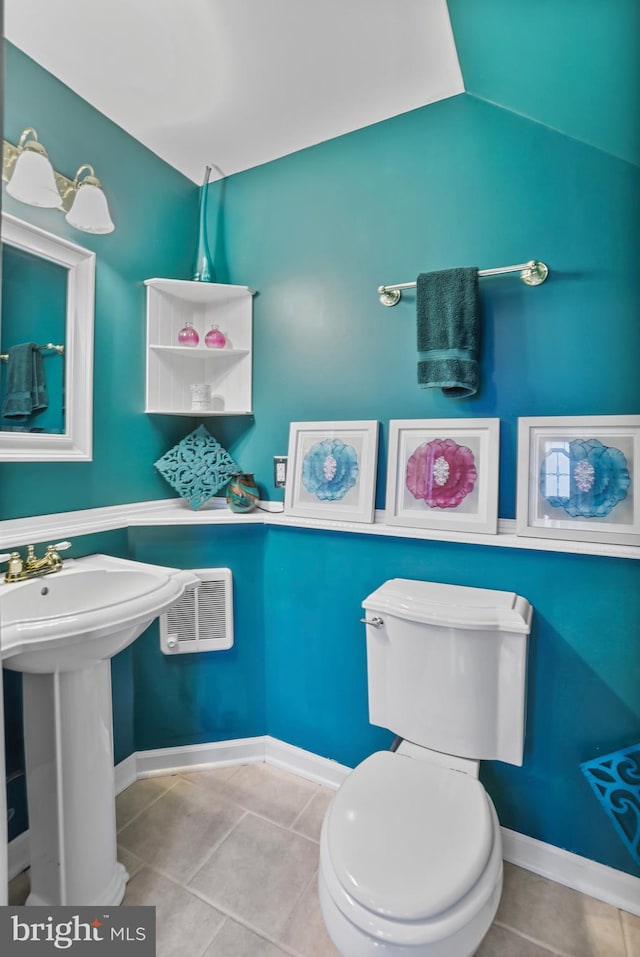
x,y
237,83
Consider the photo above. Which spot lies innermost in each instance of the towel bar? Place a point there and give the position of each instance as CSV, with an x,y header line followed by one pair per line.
x,y
532,273
46,347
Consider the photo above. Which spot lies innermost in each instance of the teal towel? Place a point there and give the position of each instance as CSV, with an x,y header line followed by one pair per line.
x,y
25,386
448,311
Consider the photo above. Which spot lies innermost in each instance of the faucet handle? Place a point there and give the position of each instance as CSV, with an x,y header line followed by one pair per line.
x,y
60,547
9,556
14,566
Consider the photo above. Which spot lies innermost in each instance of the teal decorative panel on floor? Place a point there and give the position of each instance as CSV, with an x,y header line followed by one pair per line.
x,y
615,779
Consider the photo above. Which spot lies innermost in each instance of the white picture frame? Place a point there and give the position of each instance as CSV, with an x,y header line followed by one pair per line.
x,y
578,478
443,474
332,470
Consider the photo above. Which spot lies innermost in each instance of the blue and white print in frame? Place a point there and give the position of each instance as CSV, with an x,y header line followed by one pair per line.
x,y
578,478
332,470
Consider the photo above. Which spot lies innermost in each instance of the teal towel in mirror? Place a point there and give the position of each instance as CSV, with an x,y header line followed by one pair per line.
x,y
448,326
25,384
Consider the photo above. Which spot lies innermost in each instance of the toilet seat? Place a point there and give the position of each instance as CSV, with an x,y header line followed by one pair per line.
x,y
410,851
408,839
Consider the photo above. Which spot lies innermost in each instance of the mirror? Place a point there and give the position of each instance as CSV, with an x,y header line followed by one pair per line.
x,y
48,298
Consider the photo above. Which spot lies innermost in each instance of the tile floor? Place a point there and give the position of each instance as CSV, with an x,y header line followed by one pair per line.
x,y
229,858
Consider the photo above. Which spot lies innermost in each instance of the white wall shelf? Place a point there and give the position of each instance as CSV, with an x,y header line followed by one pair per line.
x,y
172,368
49,528
198,352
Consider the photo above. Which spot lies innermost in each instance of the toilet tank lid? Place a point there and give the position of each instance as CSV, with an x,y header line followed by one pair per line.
x,y
456,606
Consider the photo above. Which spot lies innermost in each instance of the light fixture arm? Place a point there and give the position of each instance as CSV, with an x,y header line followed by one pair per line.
x,y
90,178
69,187
24,143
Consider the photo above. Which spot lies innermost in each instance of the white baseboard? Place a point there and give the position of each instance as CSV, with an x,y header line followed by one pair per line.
x,y
219,754
126,773
588,877
305,763
199,757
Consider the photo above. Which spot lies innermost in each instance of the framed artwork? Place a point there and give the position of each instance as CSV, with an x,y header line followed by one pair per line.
x,y
577,478
332,470
443,474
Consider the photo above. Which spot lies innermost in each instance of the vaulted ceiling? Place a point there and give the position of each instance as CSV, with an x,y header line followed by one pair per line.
x,y
237,83
241,82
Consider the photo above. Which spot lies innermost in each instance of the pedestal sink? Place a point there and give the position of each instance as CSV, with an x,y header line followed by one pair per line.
x,y
61,631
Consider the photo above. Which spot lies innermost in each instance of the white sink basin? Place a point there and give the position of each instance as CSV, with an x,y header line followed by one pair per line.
x,y
90,610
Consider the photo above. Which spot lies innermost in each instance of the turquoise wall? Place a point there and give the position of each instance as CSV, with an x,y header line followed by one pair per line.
x,y
457,183
573,67
460,182
583,665
192,699
155,211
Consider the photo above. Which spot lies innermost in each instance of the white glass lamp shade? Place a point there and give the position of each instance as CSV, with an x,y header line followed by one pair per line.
x,y
32,180
90,210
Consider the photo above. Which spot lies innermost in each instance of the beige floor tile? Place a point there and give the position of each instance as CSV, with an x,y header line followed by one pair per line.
x,y
309,822
500,942
631,930
213,775
558,917
139,795
179,831
258,873
234,940
19,889
263,789
304,931
223,833
184,923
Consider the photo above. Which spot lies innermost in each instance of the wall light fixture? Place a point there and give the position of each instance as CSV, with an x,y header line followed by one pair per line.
x,y
89,209
31,179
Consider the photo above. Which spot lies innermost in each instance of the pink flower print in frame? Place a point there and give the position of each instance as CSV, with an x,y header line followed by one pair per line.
x,y
442,473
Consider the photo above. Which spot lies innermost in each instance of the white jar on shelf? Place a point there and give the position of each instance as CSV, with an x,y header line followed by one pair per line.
x,y
200,397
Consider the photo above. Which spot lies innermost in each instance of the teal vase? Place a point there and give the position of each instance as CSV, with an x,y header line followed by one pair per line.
x,y
242,492
203,269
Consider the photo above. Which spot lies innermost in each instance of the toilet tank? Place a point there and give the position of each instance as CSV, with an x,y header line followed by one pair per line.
x,y
447,667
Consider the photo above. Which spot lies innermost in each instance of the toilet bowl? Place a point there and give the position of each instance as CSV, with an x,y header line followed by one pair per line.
x,y
411,851
410,861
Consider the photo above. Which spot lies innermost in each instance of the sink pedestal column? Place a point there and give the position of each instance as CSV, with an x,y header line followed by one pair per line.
x,y
70,788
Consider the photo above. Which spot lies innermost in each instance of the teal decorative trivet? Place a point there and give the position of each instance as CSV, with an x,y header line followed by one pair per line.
x,y
197,467
615,779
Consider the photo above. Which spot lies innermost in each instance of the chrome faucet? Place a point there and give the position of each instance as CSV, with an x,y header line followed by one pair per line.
x,y
19,569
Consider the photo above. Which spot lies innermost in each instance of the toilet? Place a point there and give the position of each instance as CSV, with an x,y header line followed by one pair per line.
x,y
410,851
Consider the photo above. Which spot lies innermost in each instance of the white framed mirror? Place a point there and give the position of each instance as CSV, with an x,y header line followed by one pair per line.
x,y
68,270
